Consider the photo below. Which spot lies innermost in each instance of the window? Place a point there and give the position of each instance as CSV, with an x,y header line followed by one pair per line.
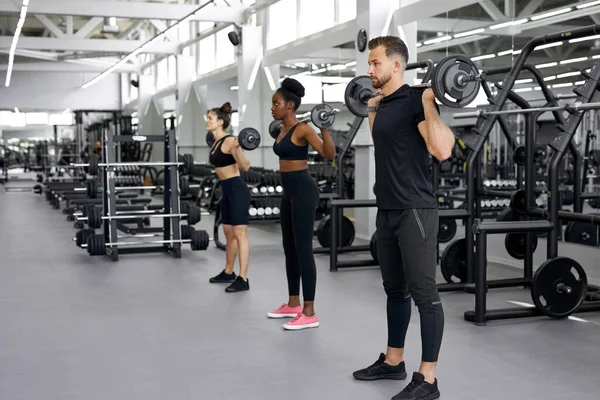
x,y
282,23
316,15
172,71
346,11
226,55
206,55
313,89
162,74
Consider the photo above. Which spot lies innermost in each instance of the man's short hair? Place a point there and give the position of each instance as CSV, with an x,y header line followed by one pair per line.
x,y
394,46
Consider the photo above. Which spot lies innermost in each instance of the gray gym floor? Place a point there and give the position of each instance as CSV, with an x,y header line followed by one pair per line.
x,y
152,327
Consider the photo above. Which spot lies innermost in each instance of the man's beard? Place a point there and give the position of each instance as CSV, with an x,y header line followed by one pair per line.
x,y
380,82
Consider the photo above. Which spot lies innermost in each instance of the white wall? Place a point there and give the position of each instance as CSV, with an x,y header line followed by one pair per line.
x,y
40,131
56,91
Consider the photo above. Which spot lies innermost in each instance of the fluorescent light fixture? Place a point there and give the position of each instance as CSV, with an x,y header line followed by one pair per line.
x,y
546,65
141,48
234,88
505,53
525,89
483,57
551,14
547,46
270,79
319,71
573,60
338,67
597,56
419,44
469,33
583,39
537,88
255,68
526,80
15,40
350,64
586,5
550,78
438,39
559,85
578,83
568,74
509,23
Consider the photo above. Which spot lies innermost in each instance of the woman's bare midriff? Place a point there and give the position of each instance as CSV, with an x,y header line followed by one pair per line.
x,y
292,165
228,172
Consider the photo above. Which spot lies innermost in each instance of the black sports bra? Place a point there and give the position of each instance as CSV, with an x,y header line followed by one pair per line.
x,y
287,150
218,158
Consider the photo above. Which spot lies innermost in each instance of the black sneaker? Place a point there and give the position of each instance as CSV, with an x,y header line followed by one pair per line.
x,y
418,389
223,278
238,285
381,370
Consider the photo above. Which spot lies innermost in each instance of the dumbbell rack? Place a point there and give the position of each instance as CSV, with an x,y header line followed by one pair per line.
x,y
171,225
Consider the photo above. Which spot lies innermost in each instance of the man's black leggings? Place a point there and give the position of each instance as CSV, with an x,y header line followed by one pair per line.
x,y
406,249
298,210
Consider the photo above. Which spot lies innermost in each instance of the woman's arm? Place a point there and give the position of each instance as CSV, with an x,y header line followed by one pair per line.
x,y
325,147
233,147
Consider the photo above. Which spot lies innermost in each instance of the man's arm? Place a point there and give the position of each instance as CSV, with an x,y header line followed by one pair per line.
x,y
371,116
439,138
372,104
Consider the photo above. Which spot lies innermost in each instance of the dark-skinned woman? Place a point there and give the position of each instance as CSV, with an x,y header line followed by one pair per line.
x,y
298,204
227,157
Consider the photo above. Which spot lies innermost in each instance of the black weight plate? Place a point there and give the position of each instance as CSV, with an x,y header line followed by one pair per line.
x,y
199,240
519,155
188,161
357,94
445,85
558,287
92,188
515,244
517,202
594,203
96,245
82,236
184,186
210,139
447,230
194,215
324,232
275,128
582,233
506,215
249,139
373,246
454,261
322,116
567,197
186,231
94,218
93,168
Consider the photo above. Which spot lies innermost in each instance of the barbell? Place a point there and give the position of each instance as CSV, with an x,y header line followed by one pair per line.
x,y
455,82
571,108
94,218
94,163
248,138
322,116
96,245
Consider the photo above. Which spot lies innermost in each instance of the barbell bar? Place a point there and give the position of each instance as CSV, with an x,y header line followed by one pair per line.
x,y
455,82
570,108
321,115
248,138
94,219
94,163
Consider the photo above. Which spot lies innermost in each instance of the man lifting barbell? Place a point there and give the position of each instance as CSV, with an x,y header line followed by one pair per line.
x,y
228,158
405,126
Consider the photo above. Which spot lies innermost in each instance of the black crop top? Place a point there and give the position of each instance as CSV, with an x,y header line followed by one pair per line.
x,y
287,150
218,158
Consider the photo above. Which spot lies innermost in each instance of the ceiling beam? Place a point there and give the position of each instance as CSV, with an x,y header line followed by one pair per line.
x,y
452,25
492,10
530,8
422,9
99,45
53,66
125,9
86,30
51,26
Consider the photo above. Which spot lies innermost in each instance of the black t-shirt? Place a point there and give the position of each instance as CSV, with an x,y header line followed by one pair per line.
x,y
402,178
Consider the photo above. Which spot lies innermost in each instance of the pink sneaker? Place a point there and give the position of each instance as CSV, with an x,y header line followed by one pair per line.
x,y
285,311
302,322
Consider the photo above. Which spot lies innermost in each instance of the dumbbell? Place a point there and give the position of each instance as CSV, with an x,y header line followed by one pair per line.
x,y
248,138
322,116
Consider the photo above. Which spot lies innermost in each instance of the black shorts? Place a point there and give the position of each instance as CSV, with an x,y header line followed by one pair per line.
x,y
235,201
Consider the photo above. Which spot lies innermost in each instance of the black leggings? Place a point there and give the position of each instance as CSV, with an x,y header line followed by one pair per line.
x,y
406,249
298,209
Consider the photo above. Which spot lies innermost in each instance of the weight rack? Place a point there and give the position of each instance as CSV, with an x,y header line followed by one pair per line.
x,y
171,225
